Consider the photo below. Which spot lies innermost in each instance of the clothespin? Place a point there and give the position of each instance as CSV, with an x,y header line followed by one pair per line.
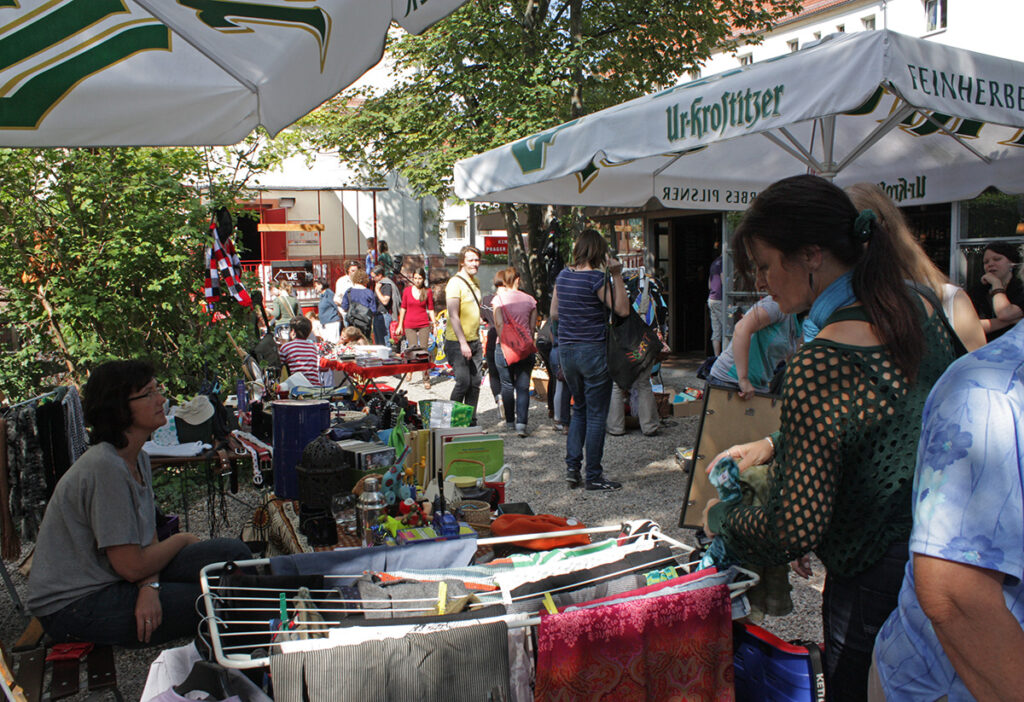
x,y
442,596
549,604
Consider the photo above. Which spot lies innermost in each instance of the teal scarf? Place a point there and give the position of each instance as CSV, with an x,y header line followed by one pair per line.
x,y
838,294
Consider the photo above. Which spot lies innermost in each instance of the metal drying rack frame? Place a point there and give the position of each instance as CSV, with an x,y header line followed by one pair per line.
x,y
241,656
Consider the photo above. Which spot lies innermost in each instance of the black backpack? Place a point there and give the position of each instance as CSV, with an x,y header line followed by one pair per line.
x,y
360,317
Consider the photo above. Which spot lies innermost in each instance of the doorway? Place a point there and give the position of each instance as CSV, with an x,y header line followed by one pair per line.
x,y
685,248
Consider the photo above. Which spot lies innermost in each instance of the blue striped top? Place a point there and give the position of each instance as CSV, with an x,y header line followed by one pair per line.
x,y
582,317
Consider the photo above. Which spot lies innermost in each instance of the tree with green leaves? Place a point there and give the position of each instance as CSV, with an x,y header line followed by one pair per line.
x,y
101,256
500,70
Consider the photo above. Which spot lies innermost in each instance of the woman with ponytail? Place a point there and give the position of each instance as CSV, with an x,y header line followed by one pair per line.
x,y
852,399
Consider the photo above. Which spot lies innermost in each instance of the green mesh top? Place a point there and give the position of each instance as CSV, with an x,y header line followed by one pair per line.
x,y
844,461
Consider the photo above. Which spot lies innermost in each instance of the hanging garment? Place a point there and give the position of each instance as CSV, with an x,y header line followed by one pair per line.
x,y
402,598
53,441
462,664
26,471
74,423
611,578
222,262
520,665
10,544
673,647
352,561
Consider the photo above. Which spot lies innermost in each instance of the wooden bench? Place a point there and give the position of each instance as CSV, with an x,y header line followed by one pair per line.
x,y
25,676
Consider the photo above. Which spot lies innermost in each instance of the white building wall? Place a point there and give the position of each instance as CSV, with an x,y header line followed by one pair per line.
x,y
324,191
988,26
454,228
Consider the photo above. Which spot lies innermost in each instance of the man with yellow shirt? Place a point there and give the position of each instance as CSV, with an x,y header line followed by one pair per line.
x,y
462,335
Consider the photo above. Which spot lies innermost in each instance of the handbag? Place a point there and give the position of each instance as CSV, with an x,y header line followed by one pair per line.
x,y
633,346
516,341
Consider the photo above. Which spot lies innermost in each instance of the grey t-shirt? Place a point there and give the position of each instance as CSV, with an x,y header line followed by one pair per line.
x,y
96,504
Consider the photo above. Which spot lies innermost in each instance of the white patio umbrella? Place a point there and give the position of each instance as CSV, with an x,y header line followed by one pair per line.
x,y
928,122
183,72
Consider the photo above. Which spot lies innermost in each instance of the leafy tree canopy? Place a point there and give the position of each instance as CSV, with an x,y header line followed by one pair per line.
x,y
500,70
101,256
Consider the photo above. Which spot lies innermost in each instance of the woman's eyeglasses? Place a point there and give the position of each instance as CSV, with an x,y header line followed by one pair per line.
x,y
160,389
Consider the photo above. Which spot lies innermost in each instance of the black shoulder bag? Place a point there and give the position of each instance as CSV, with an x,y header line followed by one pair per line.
x,y
633,346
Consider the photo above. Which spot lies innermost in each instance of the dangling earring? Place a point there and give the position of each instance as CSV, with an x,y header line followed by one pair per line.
x,y
810,280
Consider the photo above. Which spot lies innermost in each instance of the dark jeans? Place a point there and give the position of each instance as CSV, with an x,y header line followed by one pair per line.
x,y
559,395
853,610
467,372
493,379
585,367
515,386
108,616
381,329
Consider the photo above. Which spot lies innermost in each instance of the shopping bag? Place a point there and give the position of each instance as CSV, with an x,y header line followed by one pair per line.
x,y
633,347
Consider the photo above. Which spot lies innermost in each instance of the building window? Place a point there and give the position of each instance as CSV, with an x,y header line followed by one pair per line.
x,y
746,59
817,36
868,22
793,44
935,15
841,28
458,230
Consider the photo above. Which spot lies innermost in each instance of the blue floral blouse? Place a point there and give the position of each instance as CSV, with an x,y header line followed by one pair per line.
x,y
968,507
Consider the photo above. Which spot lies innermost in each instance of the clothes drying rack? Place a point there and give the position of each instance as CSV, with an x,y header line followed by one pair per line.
x,y
230,655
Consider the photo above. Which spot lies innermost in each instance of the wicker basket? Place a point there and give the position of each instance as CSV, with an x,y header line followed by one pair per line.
x,y
358,489
478,515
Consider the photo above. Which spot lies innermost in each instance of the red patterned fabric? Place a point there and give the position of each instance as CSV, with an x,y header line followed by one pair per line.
x,y
674,647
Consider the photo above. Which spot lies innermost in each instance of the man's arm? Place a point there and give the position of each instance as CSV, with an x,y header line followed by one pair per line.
x,y
980,636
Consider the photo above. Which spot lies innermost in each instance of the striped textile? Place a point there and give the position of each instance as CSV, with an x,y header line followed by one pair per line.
x,y
222,262
582,317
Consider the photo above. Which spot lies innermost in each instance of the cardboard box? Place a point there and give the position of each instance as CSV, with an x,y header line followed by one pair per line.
x,y
540,385
687,409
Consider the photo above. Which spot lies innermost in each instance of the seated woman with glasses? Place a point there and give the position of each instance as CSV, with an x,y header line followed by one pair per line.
x,y
99,572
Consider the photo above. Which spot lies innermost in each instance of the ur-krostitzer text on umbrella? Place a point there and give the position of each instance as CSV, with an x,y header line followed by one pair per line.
x,y
732,109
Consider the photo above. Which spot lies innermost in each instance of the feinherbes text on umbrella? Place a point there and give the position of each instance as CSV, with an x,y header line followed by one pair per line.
x,y
738,109
975,89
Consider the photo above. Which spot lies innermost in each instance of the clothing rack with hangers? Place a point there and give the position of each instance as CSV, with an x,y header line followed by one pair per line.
x,y
30,401
242,636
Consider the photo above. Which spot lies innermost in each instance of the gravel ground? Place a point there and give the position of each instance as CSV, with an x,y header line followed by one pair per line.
x,y
653,487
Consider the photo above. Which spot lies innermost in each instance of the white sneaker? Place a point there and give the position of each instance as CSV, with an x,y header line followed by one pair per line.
x,y
521,430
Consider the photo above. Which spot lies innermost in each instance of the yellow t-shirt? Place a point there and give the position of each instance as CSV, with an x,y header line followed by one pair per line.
x,y
469,310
